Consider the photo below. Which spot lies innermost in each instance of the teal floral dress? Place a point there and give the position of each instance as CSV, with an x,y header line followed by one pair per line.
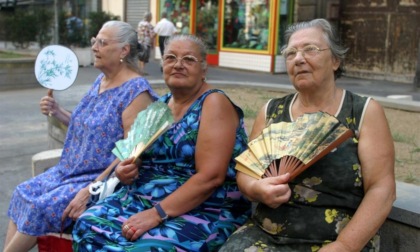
x,y
324,197
166,166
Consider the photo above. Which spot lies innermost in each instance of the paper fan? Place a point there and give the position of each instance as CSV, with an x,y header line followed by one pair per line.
x,y
291,147
147,127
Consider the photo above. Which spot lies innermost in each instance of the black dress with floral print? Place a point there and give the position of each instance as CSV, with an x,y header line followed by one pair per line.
x,y
324,197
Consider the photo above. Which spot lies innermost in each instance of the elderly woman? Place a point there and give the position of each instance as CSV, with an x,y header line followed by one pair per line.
x,y
104,116
340,202
184,196
146,37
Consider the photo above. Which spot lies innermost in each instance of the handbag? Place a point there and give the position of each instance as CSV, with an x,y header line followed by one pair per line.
x,y
102,189
143,53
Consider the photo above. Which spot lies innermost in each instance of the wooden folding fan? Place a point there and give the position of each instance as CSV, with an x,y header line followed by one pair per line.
x,y
291,147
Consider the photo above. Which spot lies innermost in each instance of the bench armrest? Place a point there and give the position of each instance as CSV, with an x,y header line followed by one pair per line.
x,y
44,160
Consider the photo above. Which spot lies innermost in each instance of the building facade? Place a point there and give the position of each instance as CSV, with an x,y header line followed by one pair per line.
x,y
383,36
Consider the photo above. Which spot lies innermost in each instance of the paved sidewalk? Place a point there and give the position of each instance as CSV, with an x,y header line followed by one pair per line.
x,y
23,129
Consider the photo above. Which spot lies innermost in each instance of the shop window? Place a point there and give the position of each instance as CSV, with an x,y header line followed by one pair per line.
x,y
246,24
207,19
179,13
285,18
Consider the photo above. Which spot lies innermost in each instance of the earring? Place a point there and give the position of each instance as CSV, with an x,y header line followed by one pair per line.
x,y
121,60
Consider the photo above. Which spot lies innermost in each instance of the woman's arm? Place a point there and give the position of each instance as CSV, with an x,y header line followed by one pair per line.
x,y
50,107
78,205
376,153
215,142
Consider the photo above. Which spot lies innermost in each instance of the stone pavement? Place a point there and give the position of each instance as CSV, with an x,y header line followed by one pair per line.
x,y
23,129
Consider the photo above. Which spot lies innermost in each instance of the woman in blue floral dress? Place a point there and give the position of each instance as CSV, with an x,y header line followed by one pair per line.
x,y
183,196
103,116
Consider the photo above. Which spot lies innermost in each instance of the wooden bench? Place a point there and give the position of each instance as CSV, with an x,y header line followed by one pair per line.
x,y
400,232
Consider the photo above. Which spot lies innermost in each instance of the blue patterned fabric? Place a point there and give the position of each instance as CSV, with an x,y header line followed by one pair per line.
x,y
166,166
96,124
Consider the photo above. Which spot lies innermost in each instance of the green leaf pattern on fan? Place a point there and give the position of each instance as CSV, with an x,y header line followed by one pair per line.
x,y
155,119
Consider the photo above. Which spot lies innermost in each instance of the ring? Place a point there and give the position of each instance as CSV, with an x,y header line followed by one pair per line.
x,y
126,227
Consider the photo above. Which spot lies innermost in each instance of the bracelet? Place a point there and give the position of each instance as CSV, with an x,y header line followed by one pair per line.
x,y
161,212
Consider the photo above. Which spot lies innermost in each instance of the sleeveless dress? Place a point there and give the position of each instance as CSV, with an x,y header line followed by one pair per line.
x,y
324,197
37,204
166,166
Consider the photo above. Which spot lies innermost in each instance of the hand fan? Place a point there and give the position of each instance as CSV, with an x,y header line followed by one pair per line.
x,y
291,147
147,127
56,67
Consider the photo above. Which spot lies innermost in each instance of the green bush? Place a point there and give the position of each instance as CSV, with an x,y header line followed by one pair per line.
x,y
44,31
96,20
21,28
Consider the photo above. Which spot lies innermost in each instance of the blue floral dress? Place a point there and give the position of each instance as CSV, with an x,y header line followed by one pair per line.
x,y
37,204
166,166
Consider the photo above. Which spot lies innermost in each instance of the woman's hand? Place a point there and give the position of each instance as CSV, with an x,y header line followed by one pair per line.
x,y
127,171
271,191
78,205
48,105
138,224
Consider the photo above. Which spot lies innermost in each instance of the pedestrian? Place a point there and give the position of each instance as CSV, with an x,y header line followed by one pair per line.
x,y
164,29
52,200
182,195
341,201
146,36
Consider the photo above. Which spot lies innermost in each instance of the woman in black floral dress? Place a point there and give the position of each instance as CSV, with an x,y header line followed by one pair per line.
x,y
340,202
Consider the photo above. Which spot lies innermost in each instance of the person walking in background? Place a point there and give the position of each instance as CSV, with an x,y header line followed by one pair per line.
x,y
164,29
146,36
52,200
341,201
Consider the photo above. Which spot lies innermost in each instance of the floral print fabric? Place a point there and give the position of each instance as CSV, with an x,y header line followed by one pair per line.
x,y
324,197
166,166
96,124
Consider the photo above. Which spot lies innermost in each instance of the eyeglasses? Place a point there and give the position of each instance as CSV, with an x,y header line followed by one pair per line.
x,y
307,52
187,60
101,42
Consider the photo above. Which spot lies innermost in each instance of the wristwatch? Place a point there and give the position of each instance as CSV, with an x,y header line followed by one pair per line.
x,y
161,213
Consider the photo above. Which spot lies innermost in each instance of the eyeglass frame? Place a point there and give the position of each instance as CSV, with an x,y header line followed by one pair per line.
x,y
181,59
317,50
101,41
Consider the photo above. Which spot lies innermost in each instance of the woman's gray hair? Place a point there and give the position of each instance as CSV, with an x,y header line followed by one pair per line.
x,y
338,51
191,38
147,16
126,34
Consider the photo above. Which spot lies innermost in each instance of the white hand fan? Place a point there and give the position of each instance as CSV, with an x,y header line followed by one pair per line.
x,y
291,147
147,127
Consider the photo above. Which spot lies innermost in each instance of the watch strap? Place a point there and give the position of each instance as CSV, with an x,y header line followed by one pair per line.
x,y
161,212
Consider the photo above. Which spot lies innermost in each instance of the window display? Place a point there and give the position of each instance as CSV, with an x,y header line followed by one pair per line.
x,y
207,21
246,24
286,7
179,13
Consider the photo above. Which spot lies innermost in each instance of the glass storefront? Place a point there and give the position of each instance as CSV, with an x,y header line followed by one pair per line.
x,y
207,22
246,24
179,13
285,7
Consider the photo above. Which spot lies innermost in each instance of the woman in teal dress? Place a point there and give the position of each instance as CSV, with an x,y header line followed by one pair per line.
x,y
340,202
183,196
